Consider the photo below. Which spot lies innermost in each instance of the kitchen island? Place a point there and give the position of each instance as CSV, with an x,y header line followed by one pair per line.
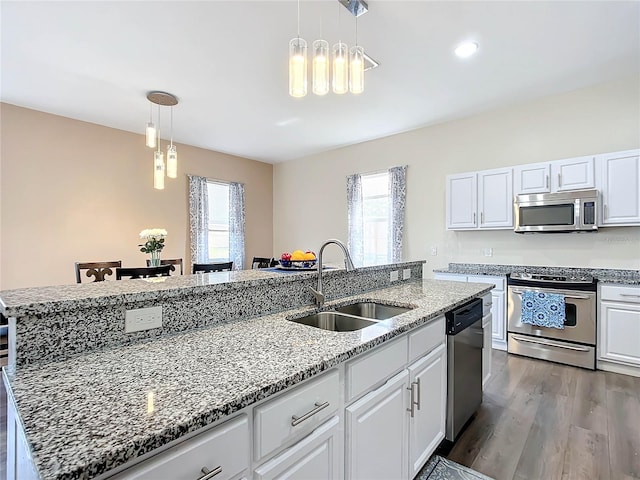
x,y
90,413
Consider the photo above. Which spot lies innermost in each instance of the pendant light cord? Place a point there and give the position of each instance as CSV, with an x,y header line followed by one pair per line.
x,y
158,130
298,19
172,125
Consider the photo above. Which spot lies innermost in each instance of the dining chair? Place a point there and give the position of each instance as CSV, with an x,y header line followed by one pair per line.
x,y
212,267
143,272
262,262
96,269
169,261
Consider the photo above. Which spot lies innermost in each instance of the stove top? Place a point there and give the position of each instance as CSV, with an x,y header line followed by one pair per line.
x,y
542,277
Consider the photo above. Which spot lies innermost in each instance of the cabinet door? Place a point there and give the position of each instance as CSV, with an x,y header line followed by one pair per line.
x,y
495,194
462,201
486,349
498,321
377,433
532,178
620,187
428,378
573,173
316,457
620,332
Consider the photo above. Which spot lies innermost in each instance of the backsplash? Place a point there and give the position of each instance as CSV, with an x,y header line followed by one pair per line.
x,y
55,323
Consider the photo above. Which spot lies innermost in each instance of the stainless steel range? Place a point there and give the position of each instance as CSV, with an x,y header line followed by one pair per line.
x,y
575,344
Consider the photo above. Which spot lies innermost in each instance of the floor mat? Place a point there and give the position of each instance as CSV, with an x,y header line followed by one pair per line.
x,y
439,468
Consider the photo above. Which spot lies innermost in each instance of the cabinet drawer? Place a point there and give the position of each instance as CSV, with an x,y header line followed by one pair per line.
x,y
426,338
310,404
224,448
375,367
620,293
497,281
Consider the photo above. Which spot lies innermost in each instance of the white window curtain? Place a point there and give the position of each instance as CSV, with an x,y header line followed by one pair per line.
x,y
397,196
355,219
236,225
198,219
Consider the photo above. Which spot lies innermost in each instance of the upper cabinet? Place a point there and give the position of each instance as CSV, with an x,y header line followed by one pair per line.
x,y
619,184
480,200
557,176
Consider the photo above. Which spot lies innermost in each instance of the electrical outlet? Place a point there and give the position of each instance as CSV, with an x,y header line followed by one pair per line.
x,y
142,319
406,274
393,276
488,252
434,251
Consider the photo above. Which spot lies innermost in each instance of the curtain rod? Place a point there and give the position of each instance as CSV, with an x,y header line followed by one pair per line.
x,y
375,172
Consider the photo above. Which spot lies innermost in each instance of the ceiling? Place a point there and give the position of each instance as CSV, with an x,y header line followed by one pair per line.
x,y
226,61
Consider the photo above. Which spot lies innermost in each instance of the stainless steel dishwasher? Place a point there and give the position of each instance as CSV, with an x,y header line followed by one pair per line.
x,y
464,365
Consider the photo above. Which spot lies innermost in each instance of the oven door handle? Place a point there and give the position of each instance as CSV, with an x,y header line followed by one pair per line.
x,y
518,291
549,344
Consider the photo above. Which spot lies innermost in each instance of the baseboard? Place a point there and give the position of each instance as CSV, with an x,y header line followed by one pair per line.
x,y
499,345
618,368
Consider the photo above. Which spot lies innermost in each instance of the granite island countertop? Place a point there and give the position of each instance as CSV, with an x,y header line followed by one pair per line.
x,y
603,275
88,414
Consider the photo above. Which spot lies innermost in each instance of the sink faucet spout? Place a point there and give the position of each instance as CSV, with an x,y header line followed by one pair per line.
x,y
348,263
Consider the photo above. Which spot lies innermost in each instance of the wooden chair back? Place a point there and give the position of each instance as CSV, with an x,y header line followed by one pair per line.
x,y
169,261
212,267
143,272
262,262
98,270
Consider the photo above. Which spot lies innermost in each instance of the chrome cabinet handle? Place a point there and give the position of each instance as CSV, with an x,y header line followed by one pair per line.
x,y
417,382
559,179
629,295
549,344
474,218
209,473
295,420
481,218
411,402
547,181
606,211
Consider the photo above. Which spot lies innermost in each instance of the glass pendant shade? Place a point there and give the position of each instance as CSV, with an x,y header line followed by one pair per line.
x,y
320,67
158,170
151,135
356,79
297,67
340,80
172,161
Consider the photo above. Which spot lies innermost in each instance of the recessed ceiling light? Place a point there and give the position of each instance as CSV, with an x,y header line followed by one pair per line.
x,y
466,49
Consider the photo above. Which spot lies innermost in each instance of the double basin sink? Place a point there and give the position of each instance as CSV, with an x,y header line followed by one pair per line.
x,y
348,318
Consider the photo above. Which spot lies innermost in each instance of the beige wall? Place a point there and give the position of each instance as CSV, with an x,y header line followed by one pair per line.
x,y
310,193
75,191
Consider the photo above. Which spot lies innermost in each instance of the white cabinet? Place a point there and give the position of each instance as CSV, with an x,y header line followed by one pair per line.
x,y
557,176
480,200
619,325
224,449
316,457
498,304
462,201
619,184
377,436
427,420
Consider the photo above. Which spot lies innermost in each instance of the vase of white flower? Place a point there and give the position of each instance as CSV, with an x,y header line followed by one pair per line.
x,y
154,243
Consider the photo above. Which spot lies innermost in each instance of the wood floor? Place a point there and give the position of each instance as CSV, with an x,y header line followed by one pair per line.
x,y
543,421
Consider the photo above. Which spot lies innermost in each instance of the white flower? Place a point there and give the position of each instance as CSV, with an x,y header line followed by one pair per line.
x,y
153,233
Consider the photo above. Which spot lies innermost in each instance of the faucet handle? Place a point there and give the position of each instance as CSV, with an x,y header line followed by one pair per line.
x,y
319,296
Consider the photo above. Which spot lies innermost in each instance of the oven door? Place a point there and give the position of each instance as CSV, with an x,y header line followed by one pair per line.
x,y
580,315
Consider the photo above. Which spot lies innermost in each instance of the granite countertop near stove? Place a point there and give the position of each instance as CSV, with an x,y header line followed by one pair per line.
x,y
87,415
604,275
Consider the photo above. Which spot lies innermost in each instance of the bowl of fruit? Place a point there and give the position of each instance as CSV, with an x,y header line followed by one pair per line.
x,y
298,260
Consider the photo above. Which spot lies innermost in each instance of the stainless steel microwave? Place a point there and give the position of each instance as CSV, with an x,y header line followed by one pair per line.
x,y
571,211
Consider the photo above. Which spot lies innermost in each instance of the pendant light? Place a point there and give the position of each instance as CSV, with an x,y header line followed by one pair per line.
x,y
158,162
320,67
162,99
172,154
151,130
340,64
298,64
356,66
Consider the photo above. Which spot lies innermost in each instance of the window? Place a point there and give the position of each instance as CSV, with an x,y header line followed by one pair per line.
x,y
218,229
375,218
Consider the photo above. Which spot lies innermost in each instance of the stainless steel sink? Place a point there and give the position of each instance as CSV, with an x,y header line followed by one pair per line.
x,y
373,310
334,321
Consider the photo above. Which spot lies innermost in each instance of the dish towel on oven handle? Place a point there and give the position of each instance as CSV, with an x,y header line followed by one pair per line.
x,y
543,309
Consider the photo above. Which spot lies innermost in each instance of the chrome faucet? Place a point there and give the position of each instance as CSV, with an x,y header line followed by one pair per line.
x,y
348,263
